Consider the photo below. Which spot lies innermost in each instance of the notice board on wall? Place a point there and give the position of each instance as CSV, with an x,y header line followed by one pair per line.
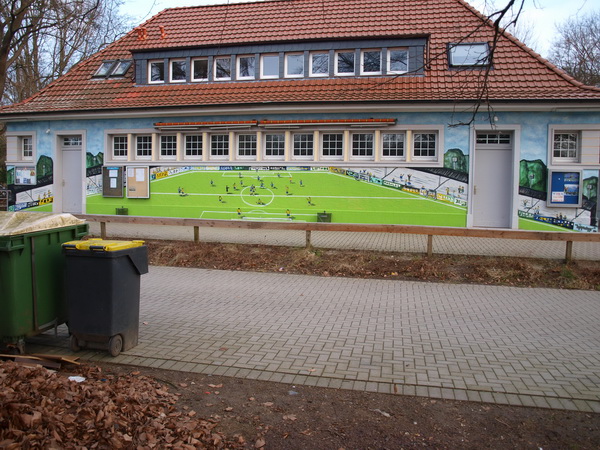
x,y
112,182
138,182
564,188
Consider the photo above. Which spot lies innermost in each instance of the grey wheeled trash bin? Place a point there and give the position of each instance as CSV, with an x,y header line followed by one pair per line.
x,y
103,293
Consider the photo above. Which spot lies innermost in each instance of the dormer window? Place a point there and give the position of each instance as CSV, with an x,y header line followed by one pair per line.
x,y
319,64
468,55
344,63
246,67
200,69
156,71
294,65
269,67
397,59
178,70
223,68
370,62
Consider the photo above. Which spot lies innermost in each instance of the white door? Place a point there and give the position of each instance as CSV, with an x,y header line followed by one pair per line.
x,y
493,180
72,176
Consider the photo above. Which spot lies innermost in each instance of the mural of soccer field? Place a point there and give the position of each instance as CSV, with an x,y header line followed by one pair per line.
x,y
382,196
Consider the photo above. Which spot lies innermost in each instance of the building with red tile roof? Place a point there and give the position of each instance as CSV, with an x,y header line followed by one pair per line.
x,y
383,88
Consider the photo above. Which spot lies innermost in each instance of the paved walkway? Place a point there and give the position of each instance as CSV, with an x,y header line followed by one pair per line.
x,y
532,347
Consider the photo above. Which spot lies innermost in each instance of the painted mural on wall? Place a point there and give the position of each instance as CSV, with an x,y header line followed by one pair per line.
x,y
533,196
30,186
389,195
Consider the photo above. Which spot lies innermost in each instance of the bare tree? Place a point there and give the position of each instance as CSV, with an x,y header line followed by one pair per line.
x,y
577,49
40,40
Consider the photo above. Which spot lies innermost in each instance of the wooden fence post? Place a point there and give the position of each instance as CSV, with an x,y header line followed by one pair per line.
x,y
569,252
430,245
308,243
196,234
103,230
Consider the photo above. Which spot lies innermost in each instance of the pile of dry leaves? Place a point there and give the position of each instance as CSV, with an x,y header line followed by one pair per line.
x,y
45,409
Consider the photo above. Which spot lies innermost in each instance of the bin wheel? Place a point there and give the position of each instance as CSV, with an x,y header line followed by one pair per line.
x,y
115,345
74,344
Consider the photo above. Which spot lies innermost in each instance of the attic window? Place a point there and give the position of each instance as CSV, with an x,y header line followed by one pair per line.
x,y
468,55
112,69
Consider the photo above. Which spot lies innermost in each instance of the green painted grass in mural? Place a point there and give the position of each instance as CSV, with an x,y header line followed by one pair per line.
x,y
282,196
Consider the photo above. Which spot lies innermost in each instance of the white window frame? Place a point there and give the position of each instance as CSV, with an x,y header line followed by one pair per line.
x,y
162,149
23,140
185,146
137,147
395,157
238,71
156,61
433,158
335,67
322,146
310,63
215,64
310,157
262,66
192,77
389,60
213,157
115,157
370,157
289,75
362,61
264,145
238,142
558,160
171,63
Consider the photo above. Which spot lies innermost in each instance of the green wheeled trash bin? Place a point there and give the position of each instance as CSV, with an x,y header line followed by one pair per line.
x,y
103,293
31,273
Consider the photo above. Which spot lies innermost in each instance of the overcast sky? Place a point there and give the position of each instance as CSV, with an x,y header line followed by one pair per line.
x,y
542,15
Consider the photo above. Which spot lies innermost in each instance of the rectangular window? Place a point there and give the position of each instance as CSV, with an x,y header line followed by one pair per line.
x,y
493,138
200,70
119,147
72,141
397,60
319,64
193,145
26,148
303,145
104,69
370,62
392,145
425,145
168,145
565,146
274,146
121,69
246,68
219,146
156,71
362,145
144,146
178,70
247,145
332,145
269,66
344,63
294,65
223,68
468,55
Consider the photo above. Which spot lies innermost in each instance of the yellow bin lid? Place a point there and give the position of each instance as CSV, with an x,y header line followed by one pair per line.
x,y
102,245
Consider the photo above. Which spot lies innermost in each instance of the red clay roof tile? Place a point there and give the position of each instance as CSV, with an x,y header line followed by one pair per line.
x,y
518,73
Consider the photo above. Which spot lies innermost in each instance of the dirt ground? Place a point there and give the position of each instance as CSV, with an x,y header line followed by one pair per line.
x,y
503,271
256,414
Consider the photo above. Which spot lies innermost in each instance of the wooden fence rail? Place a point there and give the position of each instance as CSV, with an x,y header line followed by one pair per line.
x,y
308,227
